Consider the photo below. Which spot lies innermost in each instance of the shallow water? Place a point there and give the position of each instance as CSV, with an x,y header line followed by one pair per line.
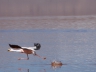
x,y
75,48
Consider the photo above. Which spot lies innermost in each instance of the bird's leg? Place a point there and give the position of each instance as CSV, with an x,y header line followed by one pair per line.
x,y
39,56
24,58
27,57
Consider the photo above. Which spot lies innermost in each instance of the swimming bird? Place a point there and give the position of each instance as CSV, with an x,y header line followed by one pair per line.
x,y
26,50
56,64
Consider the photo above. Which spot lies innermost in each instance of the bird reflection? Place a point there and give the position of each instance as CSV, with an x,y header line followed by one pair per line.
x,y
44,70
54,64
27,70
23,70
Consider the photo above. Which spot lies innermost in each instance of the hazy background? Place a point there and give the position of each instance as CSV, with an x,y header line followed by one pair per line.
x,y
13,8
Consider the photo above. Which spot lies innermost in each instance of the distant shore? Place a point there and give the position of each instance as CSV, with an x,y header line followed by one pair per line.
x,y
48,22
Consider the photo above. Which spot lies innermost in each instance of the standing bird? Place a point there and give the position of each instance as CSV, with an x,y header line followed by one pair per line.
x,y
26,50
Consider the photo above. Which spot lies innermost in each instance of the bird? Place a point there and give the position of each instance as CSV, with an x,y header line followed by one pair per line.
x,y
26,50
56,64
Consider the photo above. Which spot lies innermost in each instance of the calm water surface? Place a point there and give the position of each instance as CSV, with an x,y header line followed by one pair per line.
x,y
76,49
70,40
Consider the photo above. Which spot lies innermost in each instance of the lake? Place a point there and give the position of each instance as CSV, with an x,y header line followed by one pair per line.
x,y
74,47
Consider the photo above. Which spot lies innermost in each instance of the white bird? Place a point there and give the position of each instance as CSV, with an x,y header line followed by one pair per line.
x,y
26,50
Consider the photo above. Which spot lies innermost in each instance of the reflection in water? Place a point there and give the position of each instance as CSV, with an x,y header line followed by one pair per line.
x,y
44,70
27,70
55,65
23,70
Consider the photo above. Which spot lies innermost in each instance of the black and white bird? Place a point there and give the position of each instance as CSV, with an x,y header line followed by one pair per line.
x,y
26,50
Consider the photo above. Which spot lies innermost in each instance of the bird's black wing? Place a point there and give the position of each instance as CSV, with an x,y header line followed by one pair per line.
x,y
15,46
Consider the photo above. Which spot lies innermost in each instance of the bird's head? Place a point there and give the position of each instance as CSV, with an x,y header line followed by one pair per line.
x,y
9,49
37,46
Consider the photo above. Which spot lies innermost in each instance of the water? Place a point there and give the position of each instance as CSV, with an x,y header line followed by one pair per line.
x,y
75,48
